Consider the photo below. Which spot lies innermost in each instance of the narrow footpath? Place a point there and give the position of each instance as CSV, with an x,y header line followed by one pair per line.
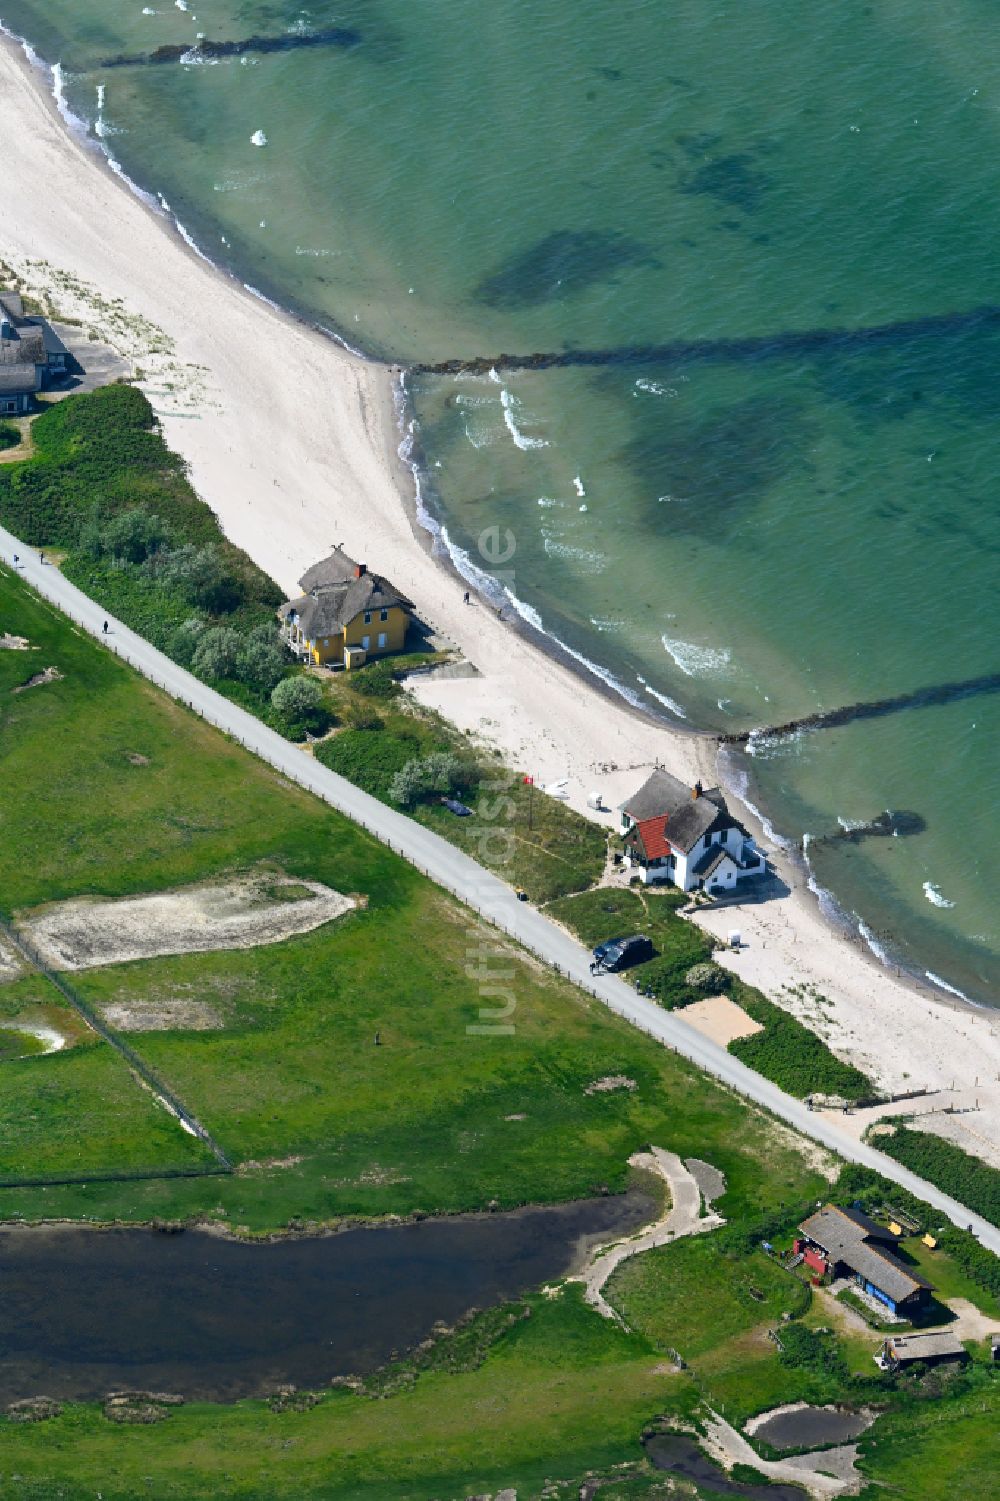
x,y
471,883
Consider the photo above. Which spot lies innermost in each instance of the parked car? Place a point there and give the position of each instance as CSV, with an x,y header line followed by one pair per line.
x,y
454,806
622,953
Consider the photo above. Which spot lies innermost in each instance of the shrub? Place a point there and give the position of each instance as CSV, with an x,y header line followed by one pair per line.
x,y
217,652
200,574
299,702
439,773
261,662
706,977
363,717
369,760
129,537
10,437
966,1179
376,680
184,640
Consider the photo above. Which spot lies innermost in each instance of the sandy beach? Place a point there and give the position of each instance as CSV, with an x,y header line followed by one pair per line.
x,y
293,442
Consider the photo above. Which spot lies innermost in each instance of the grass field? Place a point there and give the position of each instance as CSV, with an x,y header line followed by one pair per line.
x,y
150,798
113,789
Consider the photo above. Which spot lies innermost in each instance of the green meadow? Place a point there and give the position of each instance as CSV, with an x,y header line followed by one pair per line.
x,y
112,790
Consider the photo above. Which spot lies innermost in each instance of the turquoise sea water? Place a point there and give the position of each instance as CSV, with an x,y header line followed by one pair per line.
x,y
745,531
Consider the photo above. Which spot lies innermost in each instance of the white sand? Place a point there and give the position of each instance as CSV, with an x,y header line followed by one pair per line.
x,y
298,453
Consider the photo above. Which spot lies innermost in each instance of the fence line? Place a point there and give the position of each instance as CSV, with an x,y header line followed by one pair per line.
x,y
97,1024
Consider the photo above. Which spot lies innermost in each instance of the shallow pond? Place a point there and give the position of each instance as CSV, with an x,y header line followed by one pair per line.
x,y
86,1311
811,1427
680,1455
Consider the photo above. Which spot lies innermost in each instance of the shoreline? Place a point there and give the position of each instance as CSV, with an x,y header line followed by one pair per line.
x,y
296,461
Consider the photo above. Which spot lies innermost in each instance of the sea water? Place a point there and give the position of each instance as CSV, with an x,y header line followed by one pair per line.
x,y
764,519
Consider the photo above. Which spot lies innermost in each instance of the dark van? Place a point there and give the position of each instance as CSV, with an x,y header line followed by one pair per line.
x,y
622,953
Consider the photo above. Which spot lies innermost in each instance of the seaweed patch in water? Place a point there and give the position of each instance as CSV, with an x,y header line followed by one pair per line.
x,y
566,261
330,36
733,180
700,469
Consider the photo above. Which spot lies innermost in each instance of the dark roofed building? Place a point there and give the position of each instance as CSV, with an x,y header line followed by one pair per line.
x,y
930,1349
31,355
686,835
847,1243
344,614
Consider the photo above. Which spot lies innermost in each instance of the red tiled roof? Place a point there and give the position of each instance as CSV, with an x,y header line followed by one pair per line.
x,y
653,833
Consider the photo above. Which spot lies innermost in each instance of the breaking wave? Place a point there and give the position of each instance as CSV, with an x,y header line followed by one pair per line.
x,y
693,659
951,989
511,407
935,896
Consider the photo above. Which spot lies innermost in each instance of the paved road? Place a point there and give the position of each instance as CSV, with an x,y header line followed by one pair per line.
x,y
474,885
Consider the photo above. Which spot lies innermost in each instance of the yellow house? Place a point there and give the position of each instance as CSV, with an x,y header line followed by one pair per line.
x,y
344,615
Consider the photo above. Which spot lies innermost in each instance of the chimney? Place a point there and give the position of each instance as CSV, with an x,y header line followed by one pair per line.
x,y
360,569
696,790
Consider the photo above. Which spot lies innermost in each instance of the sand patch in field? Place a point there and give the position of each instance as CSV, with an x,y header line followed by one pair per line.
x,y
10,961
242,913
181,1014
720,1019
13,643
39,679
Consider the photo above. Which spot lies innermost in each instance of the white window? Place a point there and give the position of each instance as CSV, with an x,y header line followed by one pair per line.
x,y
382,640
366,642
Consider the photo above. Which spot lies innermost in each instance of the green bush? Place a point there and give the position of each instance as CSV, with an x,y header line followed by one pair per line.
x,y
298,701
803,1348
376,680
217,653
965,1178
434,775
130,537
10,436
707,976
261,662
369,759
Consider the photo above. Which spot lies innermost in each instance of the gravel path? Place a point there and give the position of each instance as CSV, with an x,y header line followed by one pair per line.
x,y
459,874
684,1217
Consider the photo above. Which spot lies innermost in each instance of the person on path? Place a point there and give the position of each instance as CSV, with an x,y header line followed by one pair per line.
x,y
41,557
465,597
105,628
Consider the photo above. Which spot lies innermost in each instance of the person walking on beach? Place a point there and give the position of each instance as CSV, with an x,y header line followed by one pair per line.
x,y
465,597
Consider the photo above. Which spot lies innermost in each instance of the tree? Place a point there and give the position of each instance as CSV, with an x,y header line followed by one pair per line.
x,y
217,652
131,536
261,662
299,702
201,575
439,773
184,641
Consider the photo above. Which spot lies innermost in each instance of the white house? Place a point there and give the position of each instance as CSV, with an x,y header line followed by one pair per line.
x,y
686,835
